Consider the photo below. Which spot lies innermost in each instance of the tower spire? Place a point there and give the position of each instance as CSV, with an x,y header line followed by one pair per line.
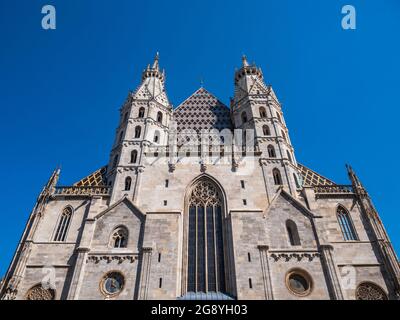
x,y
155,63
154,70
247,70
357,185
245,63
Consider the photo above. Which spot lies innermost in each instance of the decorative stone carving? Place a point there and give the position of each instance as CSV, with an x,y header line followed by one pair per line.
x,y
203,166
82,191
298,256
10,293
171,166
38,292
110,258
263,162
205,193
370,291
139,170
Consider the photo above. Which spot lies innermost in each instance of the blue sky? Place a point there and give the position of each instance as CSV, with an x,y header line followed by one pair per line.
x,y
60,90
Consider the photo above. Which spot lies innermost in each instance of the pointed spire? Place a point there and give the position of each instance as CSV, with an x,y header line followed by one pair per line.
x,y
49,188
155,63
244,61
154,70
353,177
357,185
247,70
53,178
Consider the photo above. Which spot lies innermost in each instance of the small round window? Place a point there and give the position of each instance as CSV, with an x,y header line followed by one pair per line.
x,y
112,283
299,282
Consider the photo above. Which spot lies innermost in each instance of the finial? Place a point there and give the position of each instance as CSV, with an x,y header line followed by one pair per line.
x,y
244,61
155,63
349,169
353,177
201,82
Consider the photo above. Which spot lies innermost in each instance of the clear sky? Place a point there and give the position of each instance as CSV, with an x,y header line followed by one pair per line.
x,y
60,90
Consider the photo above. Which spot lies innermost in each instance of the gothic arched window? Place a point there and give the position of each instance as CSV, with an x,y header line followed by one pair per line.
x,y
205,259
134,154
63,224
266,130
156,136
263,113
279,117
293,233
244,117
119,238
346,225
138,130
277,176
159,116
271,151
125,116
128,183
141,112
121,136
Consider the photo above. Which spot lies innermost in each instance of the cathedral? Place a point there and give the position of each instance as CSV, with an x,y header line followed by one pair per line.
x,y
203,202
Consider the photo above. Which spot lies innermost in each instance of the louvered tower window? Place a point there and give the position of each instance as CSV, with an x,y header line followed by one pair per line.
x,y
277,176
271,151
266,130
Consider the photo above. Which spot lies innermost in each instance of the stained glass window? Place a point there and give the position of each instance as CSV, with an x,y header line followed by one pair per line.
x,y
346,224
63,224
205,239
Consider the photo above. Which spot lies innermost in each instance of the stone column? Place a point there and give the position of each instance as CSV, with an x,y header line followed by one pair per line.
x,y
79,271
145,272
265,271
84,248
331,272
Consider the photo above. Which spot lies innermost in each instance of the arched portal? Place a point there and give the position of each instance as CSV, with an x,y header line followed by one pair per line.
x,y
204,267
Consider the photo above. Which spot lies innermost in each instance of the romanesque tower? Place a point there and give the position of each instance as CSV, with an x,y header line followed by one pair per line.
x,y
255,108
144,121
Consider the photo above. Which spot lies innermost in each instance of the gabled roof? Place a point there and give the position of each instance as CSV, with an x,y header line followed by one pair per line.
x,y
123,200
291,200
95,179
202,110
311,178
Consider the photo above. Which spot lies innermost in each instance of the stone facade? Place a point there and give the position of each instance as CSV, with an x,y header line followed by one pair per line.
x,y
274,228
